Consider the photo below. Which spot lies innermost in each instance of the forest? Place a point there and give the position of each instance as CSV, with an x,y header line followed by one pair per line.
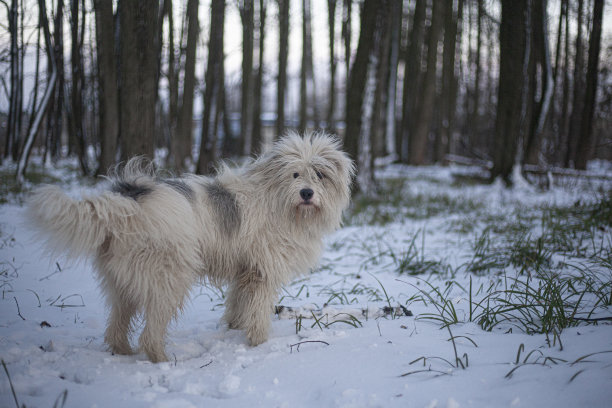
x,y
494,83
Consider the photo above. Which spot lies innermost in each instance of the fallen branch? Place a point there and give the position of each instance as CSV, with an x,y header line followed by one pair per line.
x,y
297,345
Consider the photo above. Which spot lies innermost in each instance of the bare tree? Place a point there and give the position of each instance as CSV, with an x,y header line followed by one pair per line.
x,y
138,30
246,8
361,92
308,108
449,80
107,84
422,122
213,91
181,143
331,20
396,28
513,37
411,76
283,51
257,136
585,144
44,103
13,138
75,108
578,91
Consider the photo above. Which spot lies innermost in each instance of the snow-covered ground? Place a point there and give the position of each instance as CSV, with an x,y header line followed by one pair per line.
x,y
52,319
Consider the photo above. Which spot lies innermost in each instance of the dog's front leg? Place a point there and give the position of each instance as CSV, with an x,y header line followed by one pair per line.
x,y
250,302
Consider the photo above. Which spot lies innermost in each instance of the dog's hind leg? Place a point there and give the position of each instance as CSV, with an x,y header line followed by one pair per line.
x,y
119,324
164,302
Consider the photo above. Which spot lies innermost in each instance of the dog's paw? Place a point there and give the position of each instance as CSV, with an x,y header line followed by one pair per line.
x,y
257,336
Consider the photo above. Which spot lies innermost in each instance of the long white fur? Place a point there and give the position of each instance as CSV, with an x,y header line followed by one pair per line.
x,y
248,228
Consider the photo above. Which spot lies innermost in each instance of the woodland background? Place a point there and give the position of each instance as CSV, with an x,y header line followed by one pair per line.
x,y
190,82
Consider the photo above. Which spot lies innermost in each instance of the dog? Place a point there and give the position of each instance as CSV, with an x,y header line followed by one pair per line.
x,y
253,228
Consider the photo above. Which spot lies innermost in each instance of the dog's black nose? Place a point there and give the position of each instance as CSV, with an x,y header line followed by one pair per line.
x,y
306,194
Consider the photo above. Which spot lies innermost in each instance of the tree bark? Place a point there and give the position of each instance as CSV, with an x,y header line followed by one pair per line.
x,y
331,24
512,40
107,83
578,93
360,92
283,52
138,31
181,144
584,148
411,77
308,108
418,141
246,8
396,28
257,135
213,91
44,103
449,81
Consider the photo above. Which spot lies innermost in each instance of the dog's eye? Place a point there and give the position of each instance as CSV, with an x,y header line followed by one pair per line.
x,y
296,175
319,175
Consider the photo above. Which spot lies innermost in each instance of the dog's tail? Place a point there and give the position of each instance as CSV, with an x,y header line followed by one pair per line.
x,y
76,227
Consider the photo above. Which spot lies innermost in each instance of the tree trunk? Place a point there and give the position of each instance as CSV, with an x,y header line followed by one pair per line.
x,y
578,94
331,107
361,89
107,83
75,110
512,40
449,82
584,149
246,8
283,51
563,144
396,28
138,30
257,136
44,103
181,144
13,135
213,93
541,54
411,77
308,108
418,141
347,6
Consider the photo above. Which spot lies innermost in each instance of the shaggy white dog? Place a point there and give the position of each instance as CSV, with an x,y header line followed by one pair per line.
x,y
253,228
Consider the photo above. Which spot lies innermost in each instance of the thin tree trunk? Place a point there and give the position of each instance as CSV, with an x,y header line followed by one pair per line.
x,y
360,92
213,93
107,84
411,77
449,81
347,6
331,107
563,142
512,38
246,8
396,28
25,153
14,126
584,148
181,143
257,131
138,31
418,145
578,94
77,132
308,108
283,51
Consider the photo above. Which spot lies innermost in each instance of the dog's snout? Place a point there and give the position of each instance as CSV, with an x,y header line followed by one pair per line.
x,y
306,194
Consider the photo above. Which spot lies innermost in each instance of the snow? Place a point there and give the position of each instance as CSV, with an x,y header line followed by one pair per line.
x,y
330,364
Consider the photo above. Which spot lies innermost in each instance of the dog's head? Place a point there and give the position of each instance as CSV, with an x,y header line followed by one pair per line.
x,y
310,176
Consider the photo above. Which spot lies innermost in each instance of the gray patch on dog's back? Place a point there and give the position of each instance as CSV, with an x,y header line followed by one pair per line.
x,y
225,207
130,189
180,186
